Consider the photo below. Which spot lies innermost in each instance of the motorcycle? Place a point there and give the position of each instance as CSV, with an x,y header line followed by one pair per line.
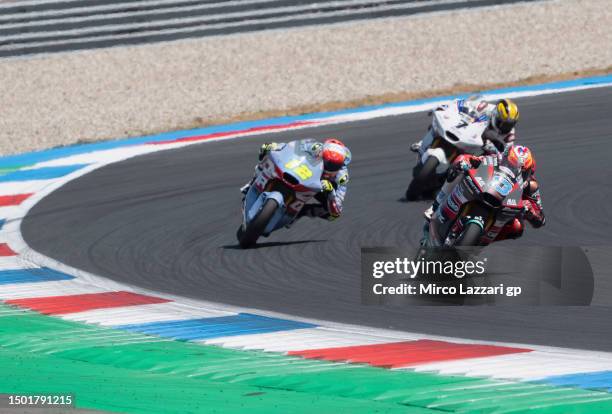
x,y
483,200
285,180
455,129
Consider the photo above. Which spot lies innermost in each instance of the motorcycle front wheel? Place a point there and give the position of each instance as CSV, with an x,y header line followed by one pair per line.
x,y
248,237
470,236
424,179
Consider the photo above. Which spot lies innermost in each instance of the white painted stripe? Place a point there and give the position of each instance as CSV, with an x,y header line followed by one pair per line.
x,y
15,263
12,212
158,312
12,311
88,9
24,187
137,12
104,157
301,12
300,339
38,39
45,289
525,366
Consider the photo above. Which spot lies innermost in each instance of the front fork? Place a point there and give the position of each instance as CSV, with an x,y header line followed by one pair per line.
x,y
473,212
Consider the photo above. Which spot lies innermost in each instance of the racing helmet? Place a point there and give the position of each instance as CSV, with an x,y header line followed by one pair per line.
x,y
335,155
505,116
519,158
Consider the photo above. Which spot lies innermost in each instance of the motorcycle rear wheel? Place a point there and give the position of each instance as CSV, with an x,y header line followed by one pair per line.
x,y
248,237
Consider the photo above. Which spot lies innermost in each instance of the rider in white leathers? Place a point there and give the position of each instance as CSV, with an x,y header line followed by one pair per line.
x,y
502,115
334,180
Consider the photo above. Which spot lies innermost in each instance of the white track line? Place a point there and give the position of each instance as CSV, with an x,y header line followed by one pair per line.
x,y
37,39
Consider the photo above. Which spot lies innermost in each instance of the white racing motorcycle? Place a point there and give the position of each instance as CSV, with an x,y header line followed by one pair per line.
x,y
284,182
455,129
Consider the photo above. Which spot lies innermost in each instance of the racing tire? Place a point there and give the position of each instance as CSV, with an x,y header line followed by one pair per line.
x,y
248,237
423,179
470,236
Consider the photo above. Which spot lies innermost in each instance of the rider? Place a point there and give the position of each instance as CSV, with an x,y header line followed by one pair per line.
x,y
334,179
516,156
502,115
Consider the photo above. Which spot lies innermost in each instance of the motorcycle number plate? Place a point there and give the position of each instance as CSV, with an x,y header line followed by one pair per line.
x,y
502,185
300,169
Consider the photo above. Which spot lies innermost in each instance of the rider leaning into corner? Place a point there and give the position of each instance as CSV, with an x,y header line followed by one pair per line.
x,y
516,156
334,179
502,115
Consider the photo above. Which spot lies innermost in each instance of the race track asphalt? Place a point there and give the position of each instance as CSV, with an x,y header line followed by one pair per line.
x,y
167,221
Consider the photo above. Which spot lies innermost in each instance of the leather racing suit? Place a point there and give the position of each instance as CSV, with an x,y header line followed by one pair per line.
x,y
334,183
533,211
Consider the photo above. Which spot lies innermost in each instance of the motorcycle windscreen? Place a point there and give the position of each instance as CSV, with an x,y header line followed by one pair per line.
x,y
299,167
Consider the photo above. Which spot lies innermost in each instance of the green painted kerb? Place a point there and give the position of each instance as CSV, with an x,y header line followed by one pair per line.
x,y
112,370
6,170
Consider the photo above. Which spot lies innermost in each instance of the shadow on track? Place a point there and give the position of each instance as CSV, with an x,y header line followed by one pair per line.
x,y
271,244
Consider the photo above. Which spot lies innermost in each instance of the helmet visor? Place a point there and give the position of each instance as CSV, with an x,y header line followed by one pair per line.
x,y
331,166
504,127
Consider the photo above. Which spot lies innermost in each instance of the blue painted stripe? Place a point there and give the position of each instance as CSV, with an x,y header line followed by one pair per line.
x,y
46,155
2,221
42,274
207,328
45,173
601,380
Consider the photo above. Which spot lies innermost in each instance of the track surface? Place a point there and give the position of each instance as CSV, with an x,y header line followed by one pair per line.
x,y
166,221
31,27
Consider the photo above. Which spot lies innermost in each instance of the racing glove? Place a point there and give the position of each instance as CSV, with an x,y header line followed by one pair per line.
x,y
265,149
463,163
533,214
327,186
466,162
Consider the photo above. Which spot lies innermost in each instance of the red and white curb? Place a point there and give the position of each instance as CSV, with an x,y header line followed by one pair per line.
x,y
93,299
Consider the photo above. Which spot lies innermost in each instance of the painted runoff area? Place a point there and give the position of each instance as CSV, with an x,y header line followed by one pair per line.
x,y
124,349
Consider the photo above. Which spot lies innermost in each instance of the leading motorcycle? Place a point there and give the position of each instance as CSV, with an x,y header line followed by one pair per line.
x,y
285,180
483,200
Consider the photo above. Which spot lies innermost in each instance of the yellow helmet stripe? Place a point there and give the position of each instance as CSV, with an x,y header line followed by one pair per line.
x,y
513,111
501,109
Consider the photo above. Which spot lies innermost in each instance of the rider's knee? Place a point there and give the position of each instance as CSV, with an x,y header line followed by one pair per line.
x,y
515,229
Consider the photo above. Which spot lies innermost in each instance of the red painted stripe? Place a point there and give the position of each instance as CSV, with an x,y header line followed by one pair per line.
x,y
55,305
403,354
229,133
13,200
5,250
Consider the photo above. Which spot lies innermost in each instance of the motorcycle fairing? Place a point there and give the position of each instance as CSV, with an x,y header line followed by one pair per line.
x,y
452,131
469,191
290,176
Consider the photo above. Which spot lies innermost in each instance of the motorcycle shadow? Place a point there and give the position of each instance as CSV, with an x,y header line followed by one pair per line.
x,y
271,244
431,196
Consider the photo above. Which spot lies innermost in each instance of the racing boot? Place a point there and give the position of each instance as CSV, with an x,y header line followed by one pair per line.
x,y
309,210
416,147
425,237
313,211
429,212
